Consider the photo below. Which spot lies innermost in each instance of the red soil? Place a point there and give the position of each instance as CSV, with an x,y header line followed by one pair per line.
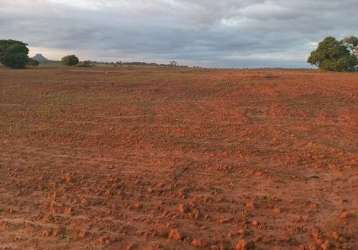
x,y
178,159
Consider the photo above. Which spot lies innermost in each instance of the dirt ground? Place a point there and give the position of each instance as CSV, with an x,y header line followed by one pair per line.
x,y
178,159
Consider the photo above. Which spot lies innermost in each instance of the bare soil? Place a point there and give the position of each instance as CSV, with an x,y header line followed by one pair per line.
x,y
178,159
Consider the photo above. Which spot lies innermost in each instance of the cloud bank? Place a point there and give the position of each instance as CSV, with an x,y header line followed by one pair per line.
x,y
226,33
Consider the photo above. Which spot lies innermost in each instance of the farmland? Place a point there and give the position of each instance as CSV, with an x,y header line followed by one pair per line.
x,y
154,158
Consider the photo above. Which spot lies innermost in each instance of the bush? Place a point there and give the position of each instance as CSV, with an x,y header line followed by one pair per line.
x,y
70,60
85,64
32,62
13,54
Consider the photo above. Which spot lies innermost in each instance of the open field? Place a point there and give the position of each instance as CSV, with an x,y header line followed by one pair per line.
x,y
178,159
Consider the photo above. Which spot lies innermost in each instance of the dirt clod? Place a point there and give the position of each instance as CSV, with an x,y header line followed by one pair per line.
x,y
174,234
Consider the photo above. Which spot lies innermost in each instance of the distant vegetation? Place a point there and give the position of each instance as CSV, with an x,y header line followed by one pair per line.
x,y
70,60
334,55
14,54
331,55
85,64
32,62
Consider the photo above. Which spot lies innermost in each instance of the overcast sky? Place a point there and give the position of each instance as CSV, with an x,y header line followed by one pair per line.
x,y
215,33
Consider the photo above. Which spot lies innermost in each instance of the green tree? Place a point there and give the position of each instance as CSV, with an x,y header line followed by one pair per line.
x,y
13,54
333,55
70,60
351,42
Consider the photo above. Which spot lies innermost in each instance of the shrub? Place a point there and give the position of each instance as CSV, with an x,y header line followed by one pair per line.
x,y
85,64
70,60
32,62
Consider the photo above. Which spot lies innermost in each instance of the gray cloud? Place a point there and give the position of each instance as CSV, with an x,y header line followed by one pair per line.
x,y
226,33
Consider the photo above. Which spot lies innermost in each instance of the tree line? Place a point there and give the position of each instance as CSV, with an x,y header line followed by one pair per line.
x,y
15,54
331,55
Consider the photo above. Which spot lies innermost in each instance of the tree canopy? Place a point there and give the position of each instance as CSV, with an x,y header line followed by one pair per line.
x,y
13,54
352,44
70,60
334,55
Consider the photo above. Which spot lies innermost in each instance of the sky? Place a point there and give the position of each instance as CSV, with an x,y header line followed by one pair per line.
x,y
208,33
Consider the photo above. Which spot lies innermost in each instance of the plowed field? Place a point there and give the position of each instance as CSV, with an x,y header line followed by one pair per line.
x,y
178,159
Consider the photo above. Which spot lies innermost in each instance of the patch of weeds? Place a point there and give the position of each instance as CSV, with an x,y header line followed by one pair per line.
x,y
45,188
66,235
